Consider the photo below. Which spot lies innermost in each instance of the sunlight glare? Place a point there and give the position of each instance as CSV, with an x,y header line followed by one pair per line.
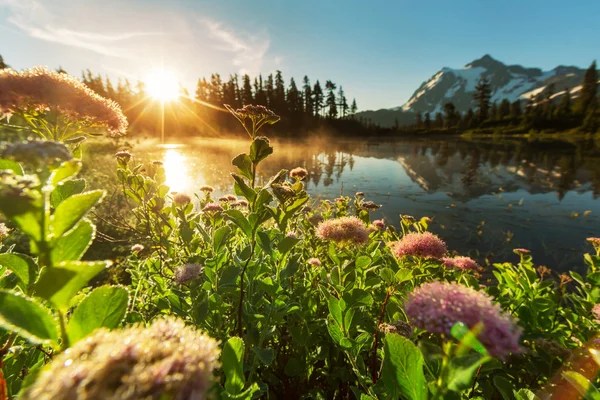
x,y
162,85
176,170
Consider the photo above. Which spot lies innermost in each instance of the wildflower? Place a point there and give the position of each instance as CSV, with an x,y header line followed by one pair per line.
x,y
437,306
212,207
379,223
369,205
181,199
41,89
298,173
165,360
521,251
399,327
343,230
158,163
187,272
240,203
123,156
137,248
207,189
256,112
224,198
292,235
315,219
231,197
460,263
596,311
315,262
37,152
565,279
408,218
360,194
543,271
424,244
283,191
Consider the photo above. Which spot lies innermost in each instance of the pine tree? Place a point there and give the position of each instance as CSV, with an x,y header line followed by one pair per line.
x,y
332,111
450,115
419,120
294,99
482,96
587,96
2,63
308,100
504,109
396,124
280,105
515,110
353,107
270,92
110,90
60,69
564,106
493,111
216,90
439,120
259,92
317,98
427,122
246,94
343,104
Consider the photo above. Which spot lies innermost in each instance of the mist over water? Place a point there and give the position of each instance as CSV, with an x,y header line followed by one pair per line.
x,y
486,198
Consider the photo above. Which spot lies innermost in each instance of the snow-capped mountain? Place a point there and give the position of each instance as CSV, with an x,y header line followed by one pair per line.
x,y
511,82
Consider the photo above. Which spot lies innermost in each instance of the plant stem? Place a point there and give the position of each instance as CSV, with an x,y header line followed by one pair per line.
x,y
241,305
374,374
63,331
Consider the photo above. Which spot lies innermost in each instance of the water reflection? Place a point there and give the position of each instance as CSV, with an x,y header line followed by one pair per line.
x,y
486,197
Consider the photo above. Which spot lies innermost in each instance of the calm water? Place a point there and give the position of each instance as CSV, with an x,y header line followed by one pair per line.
x,y
485,198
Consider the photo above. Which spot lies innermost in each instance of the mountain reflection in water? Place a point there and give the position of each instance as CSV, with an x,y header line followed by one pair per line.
x,y
486,198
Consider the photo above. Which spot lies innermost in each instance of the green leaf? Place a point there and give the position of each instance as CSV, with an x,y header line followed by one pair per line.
x,y
260,149
11,165
335,310
244,164
61,283
73,245
66,170
65,190
467,337
402,371
504,387
582,384
238,218
358,298
525,394
220,238
286,244
462,371
72,210
23,266
233,365
26,317
105,307
241,188
362,262
266,356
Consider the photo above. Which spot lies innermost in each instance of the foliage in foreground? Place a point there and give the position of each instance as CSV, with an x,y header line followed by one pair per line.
x,y
305,300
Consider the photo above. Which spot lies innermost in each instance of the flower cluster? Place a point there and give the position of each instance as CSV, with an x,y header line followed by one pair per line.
x,y
212,207
41,89
298,173
207,189
437,306
596,311
187,272
399,327
181,199
343,230
379,224
460,262
369,205
137,248
256,112
37,152
315,262
165,360
426,245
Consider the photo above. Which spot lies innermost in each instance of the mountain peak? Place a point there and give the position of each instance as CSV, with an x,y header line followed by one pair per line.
x,y
486,61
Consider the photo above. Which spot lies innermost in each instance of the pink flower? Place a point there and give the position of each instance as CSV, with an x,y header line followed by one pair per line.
x,y
594,241
292,235
231,197
40,89
379,224
437,306
181,199
136,248
212,207
460,262
522,251
426,245
187,272
298,173
207,189
596,311
315,262
343,230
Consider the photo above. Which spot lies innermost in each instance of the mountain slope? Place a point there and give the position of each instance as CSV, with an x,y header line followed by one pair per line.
x,y
511,82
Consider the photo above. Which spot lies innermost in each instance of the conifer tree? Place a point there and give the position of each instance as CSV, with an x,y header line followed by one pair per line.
x,y
515,110
294,99
450,115
503,109
332,111
564,106
259,92
317,98
439,120
482,96
270,91
246,95
587,96
353,107
280,106
419,120
2,63
307,94
427,122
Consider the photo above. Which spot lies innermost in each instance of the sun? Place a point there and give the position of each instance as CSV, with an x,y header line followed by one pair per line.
x,y
162,85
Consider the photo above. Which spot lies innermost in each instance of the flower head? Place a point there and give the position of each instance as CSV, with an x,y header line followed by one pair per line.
x,y
460,263
158,163
239,203
207,189
224,198
256,112
424,244
231,197
298,173
399,327
123,156
408,218
37,152
594,241
187,272
360,194
41,89
369,205
292,235
315,262
437,306
343,230
212,207
3,230
165,360
136,248
379,223
181,199
522,251
596,311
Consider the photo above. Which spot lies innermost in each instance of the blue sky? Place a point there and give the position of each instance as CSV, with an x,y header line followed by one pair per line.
x,y
379,51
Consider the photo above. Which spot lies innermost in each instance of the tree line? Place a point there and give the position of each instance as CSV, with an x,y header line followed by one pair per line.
x,y
548,110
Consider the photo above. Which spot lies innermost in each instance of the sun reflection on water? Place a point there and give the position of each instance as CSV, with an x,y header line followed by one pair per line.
x,y
177,169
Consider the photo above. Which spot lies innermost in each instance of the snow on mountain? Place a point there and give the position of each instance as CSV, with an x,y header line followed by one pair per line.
x,y
511,82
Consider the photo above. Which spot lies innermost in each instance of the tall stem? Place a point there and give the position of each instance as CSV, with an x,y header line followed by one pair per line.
x,y
374,368
241,304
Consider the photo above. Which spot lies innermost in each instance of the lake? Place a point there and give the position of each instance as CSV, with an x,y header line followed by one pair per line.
x,y
485,197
